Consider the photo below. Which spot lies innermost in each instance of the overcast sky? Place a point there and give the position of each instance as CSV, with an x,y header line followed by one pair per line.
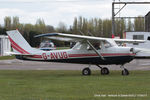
x,y
55,11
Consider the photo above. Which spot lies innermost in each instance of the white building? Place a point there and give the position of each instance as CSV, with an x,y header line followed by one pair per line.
x,y
139,36
4,45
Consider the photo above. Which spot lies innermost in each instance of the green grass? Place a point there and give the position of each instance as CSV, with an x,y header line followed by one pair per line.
x,y
71,85
7,57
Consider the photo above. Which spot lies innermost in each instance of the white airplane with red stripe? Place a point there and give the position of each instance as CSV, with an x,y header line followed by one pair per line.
x,y
87,50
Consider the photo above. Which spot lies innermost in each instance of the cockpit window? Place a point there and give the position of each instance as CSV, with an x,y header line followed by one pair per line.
x,y
107,44
97,46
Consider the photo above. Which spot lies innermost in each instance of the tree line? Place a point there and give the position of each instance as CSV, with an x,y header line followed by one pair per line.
x,y
103,27
93,26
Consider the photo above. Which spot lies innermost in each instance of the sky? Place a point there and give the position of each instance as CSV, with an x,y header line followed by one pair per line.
x,y
55,11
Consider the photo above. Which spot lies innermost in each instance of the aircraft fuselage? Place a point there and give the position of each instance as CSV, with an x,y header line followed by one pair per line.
x,y
112,55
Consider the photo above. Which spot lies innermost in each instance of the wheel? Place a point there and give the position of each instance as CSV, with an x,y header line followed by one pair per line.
x,y
86,71
125,72
104,71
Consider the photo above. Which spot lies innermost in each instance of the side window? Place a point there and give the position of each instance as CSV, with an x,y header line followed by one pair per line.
x,y
138,37
107,45
97,46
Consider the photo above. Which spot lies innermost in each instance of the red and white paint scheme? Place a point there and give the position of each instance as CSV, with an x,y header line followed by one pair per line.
x,y
88,50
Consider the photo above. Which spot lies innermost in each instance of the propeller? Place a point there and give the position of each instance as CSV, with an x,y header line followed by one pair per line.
x,y
136,50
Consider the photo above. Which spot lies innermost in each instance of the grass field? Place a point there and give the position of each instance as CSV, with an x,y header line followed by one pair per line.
x,y
7,57
71,85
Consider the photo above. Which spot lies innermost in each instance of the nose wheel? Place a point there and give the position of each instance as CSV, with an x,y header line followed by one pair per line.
x,y
125,72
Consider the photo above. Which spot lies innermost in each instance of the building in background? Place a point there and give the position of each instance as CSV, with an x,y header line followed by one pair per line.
x,y
139,36
147,22
145,35
4,45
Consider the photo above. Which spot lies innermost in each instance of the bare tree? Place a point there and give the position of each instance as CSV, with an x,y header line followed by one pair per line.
x,y
7,22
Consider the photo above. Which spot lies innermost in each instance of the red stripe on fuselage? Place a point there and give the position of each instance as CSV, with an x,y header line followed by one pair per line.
x,y
89,55
35,56
118,54
81,55
104,54
17,47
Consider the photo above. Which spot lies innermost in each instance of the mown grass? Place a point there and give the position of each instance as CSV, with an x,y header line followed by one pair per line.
x,y
7,57
71,85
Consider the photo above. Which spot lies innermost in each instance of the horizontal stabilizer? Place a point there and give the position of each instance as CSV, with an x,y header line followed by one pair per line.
x,y
14,53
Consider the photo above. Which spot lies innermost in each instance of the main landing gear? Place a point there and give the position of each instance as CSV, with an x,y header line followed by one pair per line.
x,y
104,71
87,71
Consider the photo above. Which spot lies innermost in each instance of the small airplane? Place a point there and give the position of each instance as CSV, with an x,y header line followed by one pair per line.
x,y
87,50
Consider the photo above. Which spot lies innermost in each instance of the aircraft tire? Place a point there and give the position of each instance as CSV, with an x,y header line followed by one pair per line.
x,y
125,72
104,71
86,71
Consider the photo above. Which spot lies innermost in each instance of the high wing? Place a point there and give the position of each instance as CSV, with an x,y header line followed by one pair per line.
x,y
69,37
78,38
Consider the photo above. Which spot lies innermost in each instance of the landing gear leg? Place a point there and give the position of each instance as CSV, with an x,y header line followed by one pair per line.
x,y
125,72
104,70
86,71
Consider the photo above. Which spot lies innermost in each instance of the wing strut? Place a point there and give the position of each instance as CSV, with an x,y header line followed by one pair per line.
x,y
95,50
92,46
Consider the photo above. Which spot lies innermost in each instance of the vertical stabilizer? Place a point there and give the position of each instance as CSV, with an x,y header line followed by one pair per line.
x,y
18,43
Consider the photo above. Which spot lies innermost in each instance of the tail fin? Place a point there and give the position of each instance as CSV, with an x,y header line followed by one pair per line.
x,y
18,43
